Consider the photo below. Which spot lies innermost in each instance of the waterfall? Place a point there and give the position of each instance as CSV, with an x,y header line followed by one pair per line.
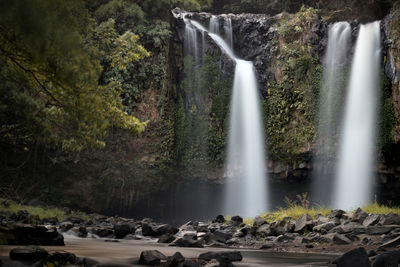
x,y
331,97
246,188
214,24
353,183
228,31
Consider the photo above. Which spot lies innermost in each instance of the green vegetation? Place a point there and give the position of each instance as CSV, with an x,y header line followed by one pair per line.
x,y
380,209
289,114
41,212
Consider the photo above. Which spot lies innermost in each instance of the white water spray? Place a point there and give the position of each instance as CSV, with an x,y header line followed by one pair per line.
x,y
353,184
246,189
330,106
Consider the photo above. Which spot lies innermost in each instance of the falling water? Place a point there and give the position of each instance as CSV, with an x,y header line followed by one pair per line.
x,y
353,184
246,192
331,97
214,24
228,31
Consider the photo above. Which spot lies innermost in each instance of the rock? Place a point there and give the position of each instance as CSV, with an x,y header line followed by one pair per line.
x,y
263,231
222,235
392,243
50,220
219,219
237,219
378,230
187,241
151,257
258,221
359,216
283,226
28,254
390,219
79,231
351,227
166,238
147,229
354,258
164,229
341,239
103,231
26,234
212,263
65,226
371,219
74,219
336,214
303,223
387,259
223,256
121,230
61,259
324,228
286,237
175,260
190,263
267,245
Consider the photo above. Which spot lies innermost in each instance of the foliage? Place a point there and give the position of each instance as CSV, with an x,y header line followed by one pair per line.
x,y
49,62
380,209
42,212
387,118
289,116
302,200
294,212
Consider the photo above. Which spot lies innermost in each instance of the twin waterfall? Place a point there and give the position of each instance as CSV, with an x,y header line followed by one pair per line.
x,y
246,186
344,159
350,185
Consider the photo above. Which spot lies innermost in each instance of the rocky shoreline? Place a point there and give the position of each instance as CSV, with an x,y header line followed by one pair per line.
x,y
371,238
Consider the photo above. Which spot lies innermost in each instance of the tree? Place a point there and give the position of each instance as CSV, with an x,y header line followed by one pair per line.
x,y
50,68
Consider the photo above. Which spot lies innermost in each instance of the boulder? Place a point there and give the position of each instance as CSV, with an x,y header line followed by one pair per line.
x,y
166,238
303,223
190,263
219,219
378,230
61,259
283,226
263,231
287,237
103,231
339,239
74,219
222,235
27,234
258,221
151,257
336,214
359,216
164,229
237,220
387,259
354,258
390,219
371,219
187,241
147,229
223,256
324,228
28,254
175,260
392,243
123,229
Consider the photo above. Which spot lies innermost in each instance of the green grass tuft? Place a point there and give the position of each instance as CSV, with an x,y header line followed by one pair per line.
x,y
42,212
380,209
294,212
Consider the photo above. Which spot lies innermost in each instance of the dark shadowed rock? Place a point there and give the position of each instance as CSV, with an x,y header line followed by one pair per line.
x,y
166,238
28,254
354,258
222,235
263,231
164,229
341,239
26,234
378,230
190,263
61,259
237,219
74,219
175,260
187,241
283,226
387,259
147,229
121,230
324,228
336,214
390,219
371,219
219,219
103,231
392,243
258,221
222,256
151,257
303,223
359,216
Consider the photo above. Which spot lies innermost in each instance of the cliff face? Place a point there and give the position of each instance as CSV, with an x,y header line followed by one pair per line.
x,y
287,51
